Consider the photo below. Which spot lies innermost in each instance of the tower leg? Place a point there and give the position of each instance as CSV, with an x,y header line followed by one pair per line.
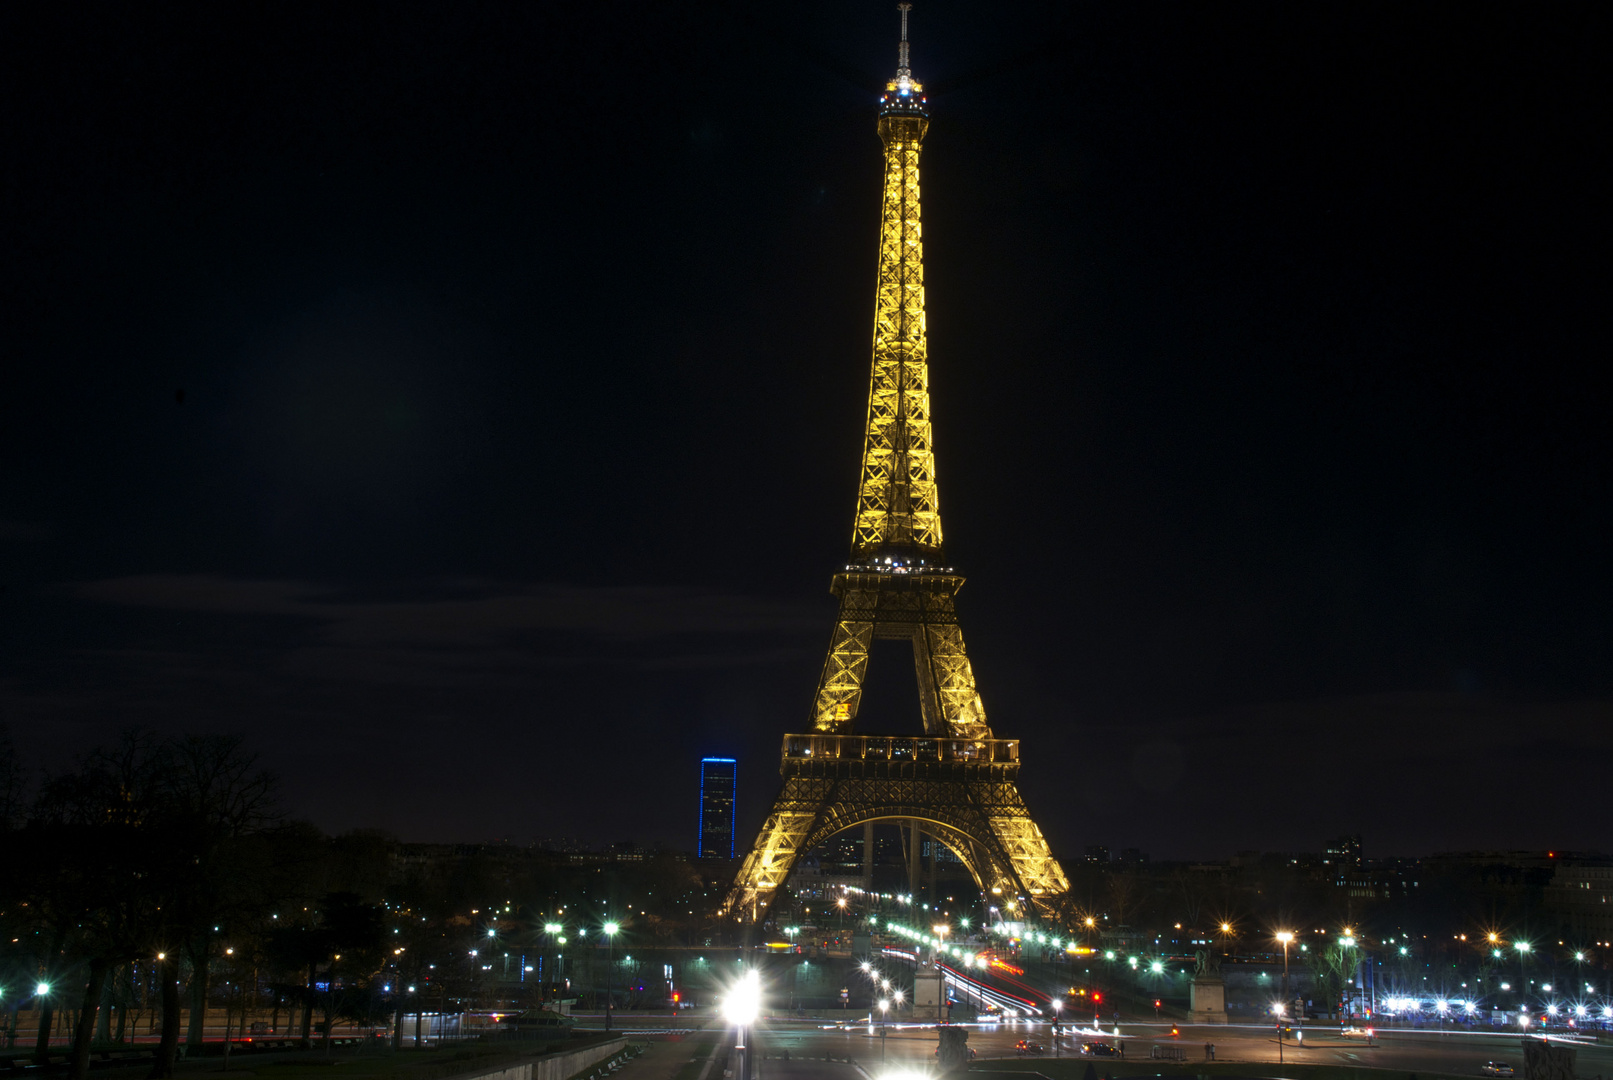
x,y
841,685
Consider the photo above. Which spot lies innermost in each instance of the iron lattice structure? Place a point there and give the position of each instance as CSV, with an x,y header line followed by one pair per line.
x,y
957,781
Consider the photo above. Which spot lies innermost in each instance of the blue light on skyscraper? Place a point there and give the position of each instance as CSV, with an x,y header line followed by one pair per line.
x,y
718,779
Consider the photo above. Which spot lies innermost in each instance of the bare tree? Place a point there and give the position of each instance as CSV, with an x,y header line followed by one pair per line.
x,y
1123,895
216,801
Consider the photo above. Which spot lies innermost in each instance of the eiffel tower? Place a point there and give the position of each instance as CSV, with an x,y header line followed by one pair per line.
x,y
956,782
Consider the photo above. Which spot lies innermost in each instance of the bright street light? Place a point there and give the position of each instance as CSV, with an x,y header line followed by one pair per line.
x,y
42,989
1284,936
744,1000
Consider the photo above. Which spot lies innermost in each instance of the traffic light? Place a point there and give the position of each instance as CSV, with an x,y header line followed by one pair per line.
x,y
1156,1003
1096,996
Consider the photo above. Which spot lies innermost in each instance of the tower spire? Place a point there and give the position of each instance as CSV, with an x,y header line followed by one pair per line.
x,y
902,69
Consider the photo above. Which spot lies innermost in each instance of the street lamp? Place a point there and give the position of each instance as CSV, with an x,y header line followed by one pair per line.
x,y
1058,1006
550,930
741,1006
883,1005
609,930
1284,936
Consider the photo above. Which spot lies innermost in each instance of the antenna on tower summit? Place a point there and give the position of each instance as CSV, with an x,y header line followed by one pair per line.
x,y
901,52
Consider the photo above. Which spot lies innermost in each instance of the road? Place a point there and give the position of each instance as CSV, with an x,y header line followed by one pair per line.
x,y
805,1050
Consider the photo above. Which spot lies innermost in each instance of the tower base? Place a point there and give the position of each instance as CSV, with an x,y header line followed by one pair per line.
x,y
964,791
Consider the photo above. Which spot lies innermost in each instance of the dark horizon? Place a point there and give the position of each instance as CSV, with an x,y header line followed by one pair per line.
x,y
463,405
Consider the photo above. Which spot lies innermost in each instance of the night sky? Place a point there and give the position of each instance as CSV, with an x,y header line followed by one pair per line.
x,y
463,402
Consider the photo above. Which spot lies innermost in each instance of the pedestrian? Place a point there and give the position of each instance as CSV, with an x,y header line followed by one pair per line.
x,y
1207,1054
1212,1051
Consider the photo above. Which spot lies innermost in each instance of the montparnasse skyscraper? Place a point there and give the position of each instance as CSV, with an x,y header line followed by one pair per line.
x,y
957,781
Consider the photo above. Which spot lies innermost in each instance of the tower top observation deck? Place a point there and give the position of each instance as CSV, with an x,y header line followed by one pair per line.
x,y
904,95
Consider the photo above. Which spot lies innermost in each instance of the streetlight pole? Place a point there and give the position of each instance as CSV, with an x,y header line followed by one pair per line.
x,y
609,929
560,965
549,931
1348,941
1284,936
883,1005
42,1044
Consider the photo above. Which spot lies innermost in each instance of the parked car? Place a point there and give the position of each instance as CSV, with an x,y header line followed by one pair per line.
x,y
1496,1068
1025,1046
1097,1049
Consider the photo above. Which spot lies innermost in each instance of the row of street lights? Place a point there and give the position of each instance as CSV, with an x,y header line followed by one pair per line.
x,y
556,932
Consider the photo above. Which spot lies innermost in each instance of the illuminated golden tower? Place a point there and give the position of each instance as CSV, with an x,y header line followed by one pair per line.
x,y
956,782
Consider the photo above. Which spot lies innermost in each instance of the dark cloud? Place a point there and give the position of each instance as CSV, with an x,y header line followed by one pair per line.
x,y
465,614
342,688
1415,772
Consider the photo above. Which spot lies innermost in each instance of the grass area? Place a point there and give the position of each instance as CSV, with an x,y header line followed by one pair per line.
x,y
1076,1069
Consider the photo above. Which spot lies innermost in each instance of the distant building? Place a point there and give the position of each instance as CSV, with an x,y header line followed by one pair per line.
x,y
1097,853
1581,895
1343,855
718,777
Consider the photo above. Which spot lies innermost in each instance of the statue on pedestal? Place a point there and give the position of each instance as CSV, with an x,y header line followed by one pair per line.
x,y
1209,993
